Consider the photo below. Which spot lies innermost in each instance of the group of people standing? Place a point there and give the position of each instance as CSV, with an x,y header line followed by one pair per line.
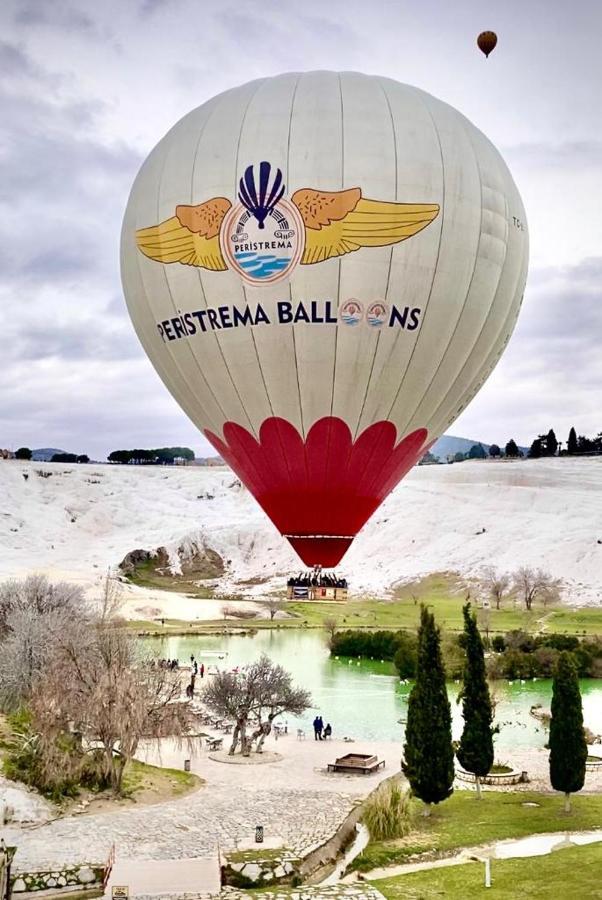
x,y
321,731
195,670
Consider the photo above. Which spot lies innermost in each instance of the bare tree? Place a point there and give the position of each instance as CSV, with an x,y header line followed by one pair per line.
x,y
34,615
111,598
496,584
101,690
330,626
254,698
82,678
38,594
534,584
274,605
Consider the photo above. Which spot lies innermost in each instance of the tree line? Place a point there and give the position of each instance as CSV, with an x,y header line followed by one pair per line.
x,y
477,451
164,456
576,445
26,453
513,655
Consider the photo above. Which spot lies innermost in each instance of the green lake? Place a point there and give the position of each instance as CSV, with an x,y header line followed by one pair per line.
x,y
363,699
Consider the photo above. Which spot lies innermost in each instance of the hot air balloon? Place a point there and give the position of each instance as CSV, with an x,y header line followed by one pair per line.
x,y
324,269
486,42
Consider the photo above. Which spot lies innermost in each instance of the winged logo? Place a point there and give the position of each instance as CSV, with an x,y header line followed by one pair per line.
x,y
265,235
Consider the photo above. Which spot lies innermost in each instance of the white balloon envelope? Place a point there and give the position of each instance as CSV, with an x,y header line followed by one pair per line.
x,y
324,269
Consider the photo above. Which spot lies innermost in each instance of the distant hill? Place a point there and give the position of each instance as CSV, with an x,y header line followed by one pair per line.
x,y
448,445
45,454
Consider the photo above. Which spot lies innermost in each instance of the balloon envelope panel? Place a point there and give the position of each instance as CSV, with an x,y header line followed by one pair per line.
x,y
324,269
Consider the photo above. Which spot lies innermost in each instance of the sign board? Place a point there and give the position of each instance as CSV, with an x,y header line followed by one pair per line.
x,y
120,892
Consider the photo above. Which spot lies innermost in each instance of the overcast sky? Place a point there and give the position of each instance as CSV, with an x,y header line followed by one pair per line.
x,y
88,88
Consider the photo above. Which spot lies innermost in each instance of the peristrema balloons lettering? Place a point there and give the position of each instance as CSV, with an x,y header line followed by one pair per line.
x,y
324,269
313,312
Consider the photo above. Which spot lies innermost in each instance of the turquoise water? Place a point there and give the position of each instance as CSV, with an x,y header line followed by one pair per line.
x,y
362,699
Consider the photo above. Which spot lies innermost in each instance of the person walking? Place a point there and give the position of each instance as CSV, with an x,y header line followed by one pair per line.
x,y
202,670
320,727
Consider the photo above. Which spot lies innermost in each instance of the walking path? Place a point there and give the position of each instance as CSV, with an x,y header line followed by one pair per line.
x,y
224,812
177,877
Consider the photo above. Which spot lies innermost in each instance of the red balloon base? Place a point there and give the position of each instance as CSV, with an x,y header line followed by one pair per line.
x,y
320,491
320,551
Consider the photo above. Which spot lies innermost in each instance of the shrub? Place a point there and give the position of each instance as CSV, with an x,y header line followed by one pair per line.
x,y
517,664
546,658
498,643
68,769
560,641
520,640
387,812
454,656
366,644
406,655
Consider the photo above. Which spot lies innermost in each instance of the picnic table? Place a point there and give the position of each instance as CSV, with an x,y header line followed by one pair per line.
x,y
215,744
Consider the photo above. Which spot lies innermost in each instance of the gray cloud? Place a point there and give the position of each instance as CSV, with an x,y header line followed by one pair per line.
x,y
60,16
87,89
551,373
568,154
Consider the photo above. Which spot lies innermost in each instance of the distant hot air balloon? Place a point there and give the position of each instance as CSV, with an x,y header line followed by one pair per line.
x,y
324,269
486,42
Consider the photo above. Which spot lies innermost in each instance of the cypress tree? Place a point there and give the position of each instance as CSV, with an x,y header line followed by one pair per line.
x,y
568,747
428,753
571,447
551,443
475,752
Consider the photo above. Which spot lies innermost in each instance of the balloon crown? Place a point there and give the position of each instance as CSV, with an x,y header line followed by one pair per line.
x,y
260,203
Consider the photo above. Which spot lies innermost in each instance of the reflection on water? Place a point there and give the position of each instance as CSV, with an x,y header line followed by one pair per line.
x,y
363,699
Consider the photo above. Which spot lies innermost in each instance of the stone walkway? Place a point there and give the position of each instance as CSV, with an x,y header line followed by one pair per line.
x,y
189,827
298,804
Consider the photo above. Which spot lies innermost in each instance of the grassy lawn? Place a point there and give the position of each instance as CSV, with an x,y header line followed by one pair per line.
x,y
574,872
576,621
443,593
140,779
148,574
464,821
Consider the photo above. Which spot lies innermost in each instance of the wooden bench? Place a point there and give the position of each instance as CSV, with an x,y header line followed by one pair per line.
x,y
361,763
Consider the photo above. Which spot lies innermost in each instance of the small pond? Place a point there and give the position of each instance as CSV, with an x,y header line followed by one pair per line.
x,y
363,699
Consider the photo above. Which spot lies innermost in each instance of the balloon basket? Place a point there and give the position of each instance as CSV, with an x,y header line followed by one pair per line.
x,y
317,585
